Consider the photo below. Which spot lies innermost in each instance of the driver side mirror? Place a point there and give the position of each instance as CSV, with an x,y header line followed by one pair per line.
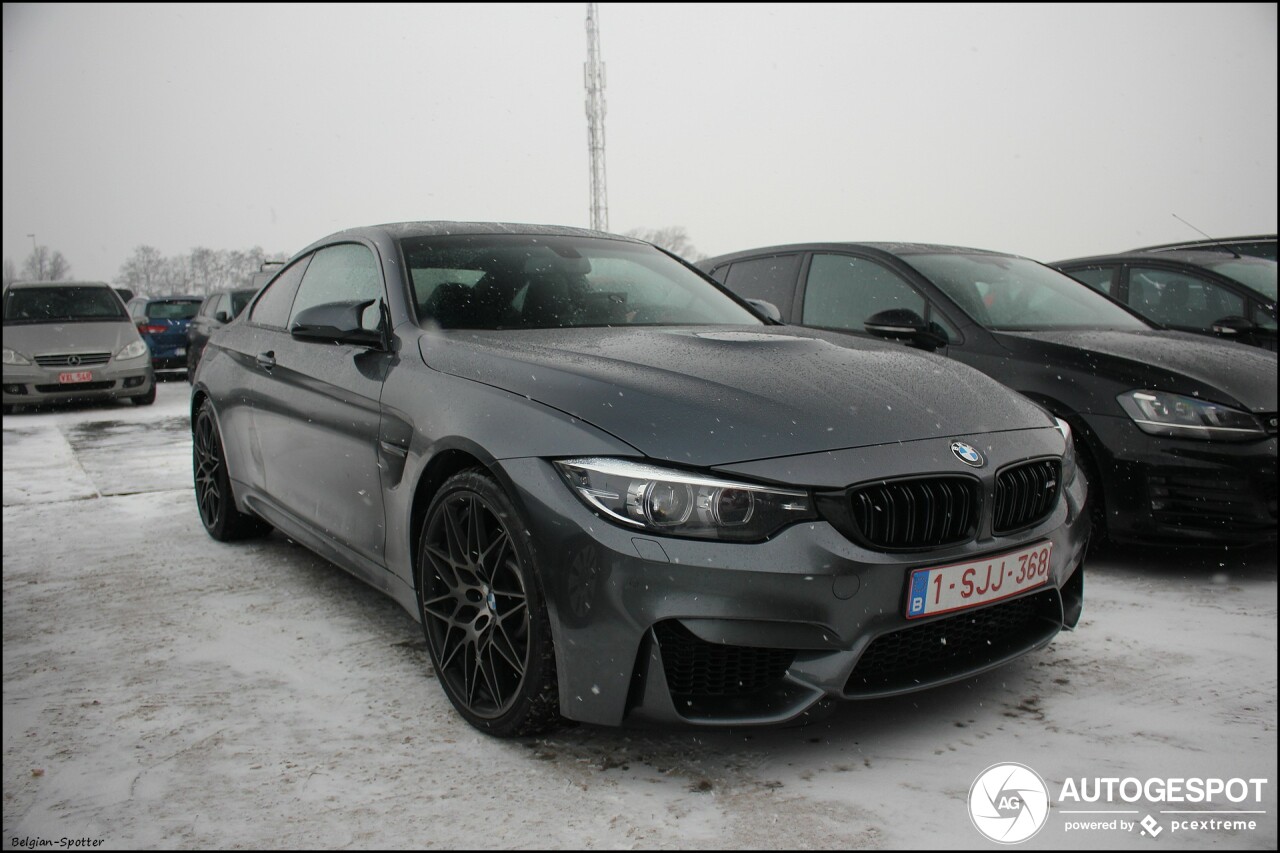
x,y
903,324
766,309
222,317
338,322
1232,326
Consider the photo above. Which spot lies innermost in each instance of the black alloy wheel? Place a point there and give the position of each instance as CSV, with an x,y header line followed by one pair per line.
x,y
482,610
213,486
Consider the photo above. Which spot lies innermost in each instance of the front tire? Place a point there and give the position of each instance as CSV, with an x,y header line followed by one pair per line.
x,y
145,399
214,498
483,611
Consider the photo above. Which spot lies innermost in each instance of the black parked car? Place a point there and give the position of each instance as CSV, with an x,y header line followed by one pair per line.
x,y
1178,432
611,493
218,309
163,322
1216,293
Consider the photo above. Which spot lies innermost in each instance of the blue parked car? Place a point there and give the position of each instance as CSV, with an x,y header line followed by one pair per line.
x,y
164,323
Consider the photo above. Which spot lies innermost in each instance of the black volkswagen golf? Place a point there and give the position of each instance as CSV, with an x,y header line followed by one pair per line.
x,y
612,493
1177,432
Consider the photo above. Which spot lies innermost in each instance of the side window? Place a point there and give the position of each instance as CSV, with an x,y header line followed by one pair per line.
x,y
1099,278
272,306
1175,298
344,273
771,279
720,273
843,291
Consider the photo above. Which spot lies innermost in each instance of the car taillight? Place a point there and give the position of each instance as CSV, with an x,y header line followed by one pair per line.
x,y
148,329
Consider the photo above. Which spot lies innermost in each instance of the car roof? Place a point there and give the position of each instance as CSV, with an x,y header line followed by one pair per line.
x,y
62,283
1224,243
1193,257
441,228
168,299
891,248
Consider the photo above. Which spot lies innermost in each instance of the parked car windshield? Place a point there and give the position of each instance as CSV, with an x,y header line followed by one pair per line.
x,y
1254,273
1007,294
61,305
512,281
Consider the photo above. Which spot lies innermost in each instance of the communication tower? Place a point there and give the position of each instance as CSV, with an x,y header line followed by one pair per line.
x,y
594,74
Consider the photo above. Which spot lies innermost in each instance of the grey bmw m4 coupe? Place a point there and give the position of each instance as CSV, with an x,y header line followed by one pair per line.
x,y
612,492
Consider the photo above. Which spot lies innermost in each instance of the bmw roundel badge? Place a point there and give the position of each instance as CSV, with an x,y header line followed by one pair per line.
x,y
968,454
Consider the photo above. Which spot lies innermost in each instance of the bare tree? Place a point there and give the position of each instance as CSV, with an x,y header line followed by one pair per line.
x,y
673,238
43,265
143,271
10,272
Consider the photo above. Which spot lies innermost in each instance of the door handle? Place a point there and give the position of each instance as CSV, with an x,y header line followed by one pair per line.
x,y
266,360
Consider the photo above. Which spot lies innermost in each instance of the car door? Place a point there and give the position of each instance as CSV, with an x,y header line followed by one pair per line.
x,y
1183,300
841,291
318,408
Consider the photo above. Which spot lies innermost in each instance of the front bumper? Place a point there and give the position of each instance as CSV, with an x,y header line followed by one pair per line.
x,y
1160,489
32,385
652,629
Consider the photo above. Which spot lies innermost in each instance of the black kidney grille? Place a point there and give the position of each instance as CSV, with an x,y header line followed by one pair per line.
x,y
696,668
920,513
1025,494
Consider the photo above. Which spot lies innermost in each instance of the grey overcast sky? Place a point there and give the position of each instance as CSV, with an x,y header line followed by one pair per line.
x,y
1048,130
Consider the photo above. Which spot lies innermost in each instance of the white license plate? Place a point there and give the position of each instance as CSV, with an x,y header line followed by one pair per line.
x,y
180,351
76,376
943,589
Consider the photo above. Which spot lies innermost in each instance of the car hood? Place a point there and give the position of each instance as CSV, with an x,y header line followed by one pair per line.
x,y
1177,362
57,338
715,395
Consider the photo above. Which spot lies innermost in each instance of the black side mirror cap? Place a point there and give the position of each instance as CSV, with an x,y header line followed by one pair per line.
x,y
903,324
337,322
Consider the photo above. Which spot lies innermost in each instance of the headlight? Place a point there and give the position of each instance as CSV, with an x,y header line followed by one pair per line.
x,y
1158,413
133,350
677,503
15,357
1069,453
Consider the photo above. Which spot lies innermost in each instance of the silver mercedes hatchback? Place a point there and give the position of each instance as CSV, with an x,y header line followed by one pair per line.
x,y
71,340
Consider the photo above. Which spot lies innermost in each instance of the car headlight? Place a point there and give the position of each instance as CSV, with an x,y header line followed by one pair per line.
x,y
1069,452
679,503
134,350
1159,413
15,357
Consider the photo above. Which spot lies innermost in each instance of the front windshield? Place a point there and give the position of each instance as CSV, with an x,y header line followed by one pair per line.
x,y
65,304
1007,294
1254,273
516,281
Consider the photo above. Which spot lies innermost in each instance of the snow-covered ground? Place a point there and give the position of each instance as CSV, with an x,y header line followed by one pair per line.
x,y
162,690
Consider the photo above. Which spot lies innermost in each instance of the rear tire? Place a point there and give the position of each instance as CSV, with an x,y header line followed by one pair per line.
x,y
214,498
483,611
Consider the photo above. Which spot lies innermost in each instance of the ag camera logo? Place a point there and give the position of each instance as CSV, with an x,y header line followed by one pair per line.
x,y
1008,803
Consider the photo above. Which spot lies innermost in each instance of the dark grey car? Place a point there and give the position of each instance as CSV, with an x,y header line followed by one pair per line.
x,y
611,493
